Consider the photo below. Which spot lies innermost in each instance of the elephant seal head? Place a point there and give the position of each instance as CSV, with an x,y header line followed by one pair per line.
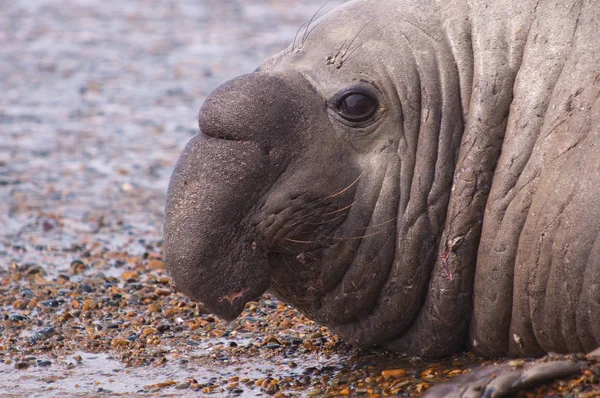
x,y
323,177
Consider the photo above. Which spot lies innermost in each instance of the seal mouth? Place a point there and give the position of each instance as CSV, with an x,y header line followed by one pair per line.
x,y
230,303
223,283
229,307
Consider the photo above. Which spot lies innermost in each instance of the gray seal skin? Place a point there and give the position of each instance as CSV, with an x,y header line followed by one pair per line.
x,y
413,174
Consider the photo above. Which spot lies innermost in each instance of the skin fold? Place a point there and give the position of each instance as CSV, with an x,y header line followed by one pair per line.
x,y
417,175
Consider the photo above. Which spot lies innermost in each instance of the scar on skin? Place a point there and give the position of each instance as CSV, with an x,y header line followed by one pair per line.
x,y
230,298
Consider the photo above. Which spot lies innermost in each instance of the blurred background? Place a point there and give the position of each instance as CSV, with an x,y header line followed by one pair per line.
x,y
97,100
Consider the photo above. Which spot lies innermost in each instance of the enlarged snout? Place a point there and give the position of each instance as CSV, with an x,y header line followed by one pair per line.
x,y
205,255
256,107
213,251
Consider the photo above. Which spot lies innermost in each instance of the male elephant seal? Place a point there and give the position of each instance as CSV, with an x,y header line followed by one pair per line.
x,y
412,174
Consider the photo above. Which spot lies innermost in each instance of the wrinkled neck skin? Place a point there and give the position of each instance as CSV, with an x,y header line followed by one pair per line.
x,y
369,280
369,228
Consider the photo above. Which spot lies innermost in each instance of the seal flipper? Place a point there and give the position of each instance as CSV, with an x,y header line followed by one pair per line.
x,y
503,379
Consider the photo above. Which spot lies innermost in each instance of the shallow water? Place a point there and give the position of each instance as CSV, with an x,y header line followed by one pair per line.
x,y
103,374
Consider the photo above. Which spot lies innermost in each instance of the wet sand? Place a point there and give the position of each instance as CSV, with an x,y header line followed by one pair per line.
x,y
98,99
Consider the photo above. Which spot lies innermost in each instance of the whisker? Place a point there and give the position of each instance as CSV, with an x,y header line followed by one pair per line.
x,y
296,37
349,57
356,237
316,211
353,51
324,199
345,189
326,221
320,222
355,37
343,44
311,30
339,210
304,217
306,33
304,242
332,54
299,219
376,225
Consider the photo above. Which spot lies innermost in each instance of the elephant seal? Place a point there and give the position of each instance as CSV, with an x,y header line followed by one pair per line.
x,y
412,174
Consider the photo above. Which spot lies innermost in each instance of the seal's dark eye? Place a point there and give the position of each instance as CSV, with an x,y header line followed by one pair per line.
x,y
356,107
